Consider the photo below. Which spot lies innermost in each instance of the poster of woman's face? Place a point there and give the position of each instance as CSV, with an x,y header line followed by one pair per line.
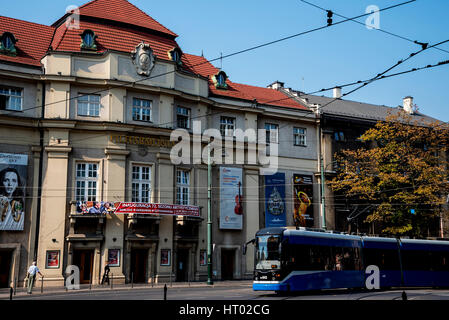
x,y
13,175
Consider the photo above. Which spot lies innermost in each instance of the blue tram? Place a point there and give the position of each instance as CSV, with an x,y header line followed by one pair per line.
x,y
297,260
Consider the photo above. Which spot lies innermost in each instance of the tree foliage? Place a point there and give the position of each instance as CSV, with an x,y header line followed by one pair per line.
x,y
401,168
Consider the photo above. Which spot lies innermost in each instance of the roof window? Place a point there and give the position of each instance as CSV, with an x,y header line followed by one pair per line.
x,y
88,40
7,44
220,80
175,55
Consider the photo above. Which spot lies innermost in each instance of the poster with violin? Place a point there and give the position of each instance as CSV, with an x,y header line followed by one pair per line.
x,y
231,198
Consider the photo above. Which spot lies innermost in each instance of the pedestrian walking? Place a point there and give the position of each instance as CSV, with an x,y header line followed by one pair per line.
x,y
31,276
106,274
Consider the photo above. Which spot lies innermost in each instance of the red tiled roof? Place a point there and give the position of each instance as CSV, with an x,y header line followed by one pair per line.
x,y
203,67
122,11
33,40
111,37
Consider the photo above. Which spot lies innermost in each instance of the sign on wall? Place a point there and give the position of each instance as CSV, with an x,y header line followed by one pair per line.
x,y
13,179
275,200
303,200
231,198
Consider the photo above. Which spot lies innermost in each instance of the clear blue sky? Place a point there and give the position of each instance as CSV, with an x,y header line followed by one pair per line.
x,y
337,55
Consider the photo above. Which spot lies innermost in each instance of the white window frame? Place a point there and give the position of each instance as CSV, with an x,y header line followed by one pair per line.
x,y
300,136
182,186
141,183
180,113
12,93
86,181
92,108
140,112
271,134
227,126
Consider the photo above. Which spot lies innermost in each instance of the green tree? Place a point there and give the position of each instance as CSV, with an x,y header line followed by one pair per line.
x,y
401,168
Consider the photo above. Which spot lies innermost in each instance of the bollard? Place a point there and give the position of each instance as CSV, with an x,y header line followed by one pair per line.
x,y
404,295
112,280
170,280
132,279
11,291
165,292
42,284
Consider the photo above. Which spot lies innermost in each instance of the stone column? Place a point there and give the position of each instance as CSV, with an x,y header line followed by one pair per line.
x,y
114,190
53,208
165,190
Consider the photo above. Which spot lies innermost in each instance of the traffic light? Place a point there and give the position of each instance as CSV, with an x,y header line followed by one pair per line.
x,y
329,17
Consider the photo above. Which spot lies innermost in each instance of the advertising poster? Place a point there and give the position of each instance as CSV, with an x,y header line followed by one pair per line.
x,y
13,179
114,257
231,198
165,257
52,259
275,200
303,200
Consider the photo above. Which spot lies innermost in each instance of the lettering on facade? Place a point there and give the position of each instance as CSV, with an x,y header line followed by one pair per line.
x,y
143,141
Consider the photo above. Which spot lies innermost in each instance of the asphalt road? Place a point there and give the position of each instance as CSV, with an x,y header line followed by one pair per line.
x,y
232,292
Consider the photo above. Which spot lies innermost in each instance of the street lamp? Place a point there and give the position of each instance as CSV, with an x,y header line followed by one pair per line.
x,y
209,218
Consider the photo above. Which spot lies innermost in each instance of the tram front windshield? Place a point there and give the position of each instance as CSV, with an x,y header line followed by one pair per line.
x,y
267,252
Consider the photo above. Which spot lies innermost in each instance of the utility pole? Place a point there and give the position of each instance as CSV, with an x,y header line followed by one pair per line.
x,y
323,207
209,218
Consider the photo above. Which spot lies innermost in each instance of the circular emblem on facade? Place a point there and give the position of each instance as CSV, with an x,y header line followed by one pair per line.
x,y
275,203
143,59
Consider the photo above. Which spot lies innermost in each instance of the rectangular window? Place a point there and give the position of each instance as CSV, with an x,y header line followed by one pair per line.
x,y
183,117
86,181
299,136
141,184
272,132
89,105
182,187
11,99
141,110
227,126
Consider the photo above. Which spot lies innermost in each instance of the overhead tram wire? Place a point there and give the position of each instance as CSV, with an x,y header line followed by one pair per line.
x,y
381,30
222,57
439,64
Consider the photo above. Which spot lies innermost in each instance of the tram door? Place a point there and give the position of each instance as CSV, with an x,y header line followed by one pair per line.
x,y
5,266
227,264
182,267
84,259
139,258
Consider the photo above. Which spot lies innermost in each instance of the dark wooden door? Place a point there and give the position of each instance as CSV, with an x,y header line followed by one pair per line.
x,y
84,260
139,259
182,265
227,264
5,267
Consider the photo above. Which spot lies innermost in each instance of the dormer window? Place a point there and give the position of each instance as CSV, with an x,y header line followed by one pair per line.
x,y
220,80
175,55
88,40
7,44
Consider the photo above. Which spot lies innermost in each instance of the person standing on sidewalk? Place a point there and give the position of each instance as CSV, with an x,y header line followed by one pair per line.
x,y
31,275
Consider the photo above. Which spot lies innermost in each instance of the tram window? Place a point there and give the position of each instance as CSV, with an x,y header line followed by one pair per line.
x,y
416,259
385,259
345,259
440,261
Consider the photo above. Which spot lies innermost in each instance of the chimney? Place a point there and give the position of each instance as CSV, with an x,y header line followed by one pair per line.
x,y
337,92
407,104
276,85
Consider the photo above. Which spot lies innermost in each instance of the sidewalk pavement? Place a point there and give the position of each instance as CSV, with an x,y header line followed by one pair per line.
x,y
5,292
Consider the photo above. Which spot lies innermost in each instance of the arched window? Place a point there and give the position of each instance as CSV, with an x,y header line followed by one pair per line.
x,y
220,80
7,44
175,55
88,40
